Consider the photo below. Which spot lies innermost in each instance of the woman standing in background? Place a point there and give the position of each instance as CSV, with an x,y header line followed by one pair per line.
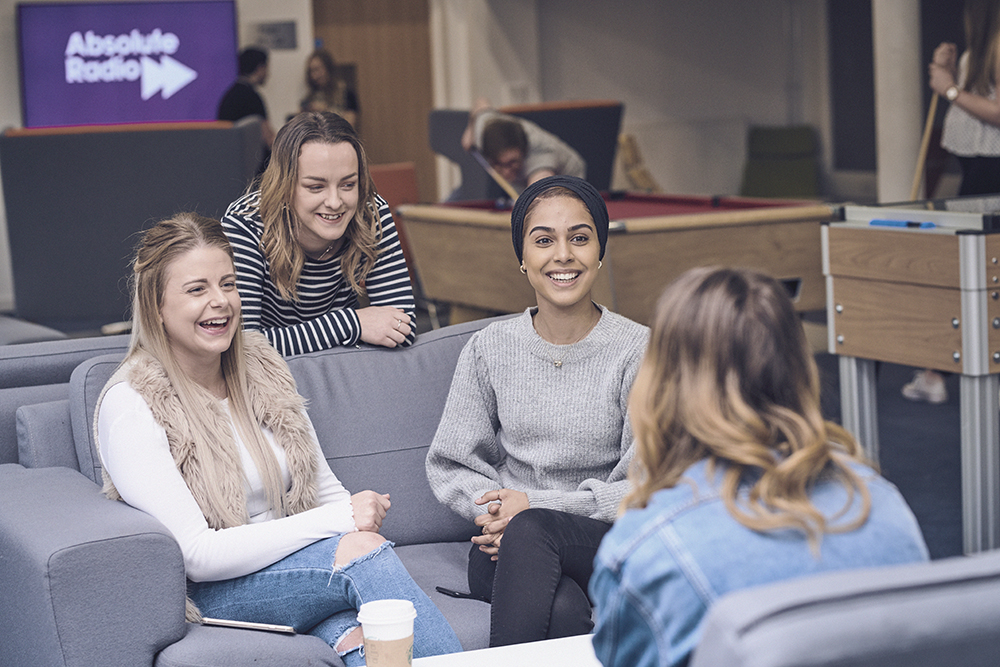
x,y
326,91
971,129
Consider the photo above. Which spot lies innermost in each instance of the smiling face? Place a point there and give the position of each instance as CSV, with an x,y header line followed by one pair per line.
x,y
326,195
200,307
561,252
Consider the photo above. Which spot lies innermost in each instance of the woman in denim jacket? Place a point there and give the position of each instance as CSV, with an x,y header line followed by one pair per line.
x,y
739,481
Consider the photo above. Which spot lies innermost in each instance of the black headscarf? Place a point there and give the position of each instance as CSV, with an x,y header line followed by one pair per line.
x,y
588,193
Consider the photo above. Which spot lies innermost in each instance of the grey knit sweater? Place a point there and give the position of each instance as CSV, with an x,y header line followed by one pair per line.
x,y
516,420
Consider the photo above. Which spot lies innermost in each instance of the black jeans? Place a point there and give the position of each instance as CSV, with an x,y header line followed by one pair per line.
x,y
538,585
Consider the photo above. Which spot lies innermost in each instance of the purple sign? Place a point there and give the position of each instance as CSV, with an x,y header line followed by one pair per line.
x,y
125,62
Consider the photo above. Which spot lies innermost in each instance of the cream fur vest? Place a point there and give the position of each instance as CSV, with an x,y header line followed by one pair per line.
x,y
275,404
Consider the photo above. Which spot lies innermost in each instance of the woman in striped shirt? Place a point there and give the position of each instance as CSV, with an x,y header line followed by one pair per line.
x,y
314,238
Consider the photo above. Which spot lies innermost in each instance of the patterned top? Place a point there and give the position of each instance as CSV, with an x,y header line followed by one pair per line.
x,y
324,316
963,133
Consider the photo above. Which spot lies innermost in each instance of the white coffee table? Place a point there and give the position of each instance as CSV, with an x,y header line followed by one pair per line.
x,y
566,652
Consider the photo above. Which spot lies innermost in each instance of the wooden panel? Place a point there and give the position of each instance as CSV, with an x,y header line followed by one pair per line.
x,y
992,248
898,322
389,41
993,328
915,257
762,216
644,264
468,265
465,256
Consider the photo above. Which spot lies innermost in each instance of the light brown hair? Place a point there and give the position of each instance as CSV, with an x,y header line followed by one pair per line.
x,y
728,376
982,40
279,241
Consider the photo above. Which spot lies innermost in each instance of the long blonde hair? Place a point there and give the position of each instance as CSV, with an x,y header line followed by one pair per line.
x,y
277,204
161,245
728,376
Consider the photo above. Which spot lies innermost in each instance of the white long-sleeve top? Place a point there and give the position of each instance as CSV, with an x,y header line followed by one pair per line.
x,y
135,452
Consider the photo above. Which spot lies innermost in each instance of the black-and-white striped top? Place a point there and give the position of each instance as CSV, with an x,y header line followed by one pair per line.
x,y
325,315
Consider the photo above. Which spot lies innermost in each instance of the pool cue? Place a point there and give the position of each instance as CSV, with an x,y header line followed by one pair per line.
x,y
500,180
922,156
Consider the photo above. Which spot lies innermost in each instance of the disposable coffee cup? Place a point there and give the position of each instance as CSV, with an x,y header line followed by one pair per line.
x,y
388,629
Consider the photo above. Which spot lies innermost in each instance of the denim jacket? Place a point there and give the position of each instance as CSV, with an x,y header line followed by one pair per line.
x,y
660,568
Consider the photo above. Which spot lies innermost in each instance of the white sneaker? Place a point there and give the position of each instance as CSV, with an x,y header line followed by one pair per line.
x,y
926,386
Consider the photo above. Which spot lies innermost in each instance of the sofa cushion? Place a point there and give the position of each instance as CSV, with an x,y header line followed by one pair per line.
x,y
446,564
376,411
45,437
12,398
230,647
941,613
52,362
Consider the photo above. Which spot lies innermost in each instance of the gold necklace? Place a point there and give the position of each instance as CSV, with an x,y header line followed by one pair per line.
x,y
558,362
320,257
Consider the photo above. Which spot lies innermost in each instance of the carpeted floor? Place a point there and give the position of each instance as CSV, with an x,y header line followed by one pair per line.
x,y
919,450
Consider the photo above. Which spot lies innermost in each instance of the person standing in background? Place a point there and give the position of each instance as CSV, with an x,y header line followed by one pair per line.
x,y
971,129
972,124
242,99
327,92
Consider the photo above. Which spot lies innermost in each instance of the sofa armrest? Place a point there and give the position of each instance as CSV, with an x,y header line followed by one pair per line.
x,y
86,581
946,612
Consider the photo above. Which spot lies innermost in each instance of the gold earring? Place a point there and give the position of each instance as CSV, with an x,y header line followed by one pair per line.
x,y
599,264
523,270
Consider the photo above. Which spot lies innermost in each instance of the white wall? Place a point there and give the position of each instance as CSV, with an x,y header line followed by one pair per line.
x,y
286,84
282,92
693,74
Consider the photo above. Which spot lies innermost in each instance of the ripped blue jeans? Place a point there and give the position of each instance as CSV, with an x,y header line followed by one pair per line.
x,y
305,591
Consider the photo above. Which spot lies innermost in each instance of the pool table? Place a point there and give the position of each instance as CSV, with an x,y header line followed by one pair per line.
x,y
463,252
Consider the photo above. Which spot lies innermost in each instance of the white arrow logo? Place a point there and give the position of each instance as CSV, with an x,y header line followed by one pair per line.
x,y
167,75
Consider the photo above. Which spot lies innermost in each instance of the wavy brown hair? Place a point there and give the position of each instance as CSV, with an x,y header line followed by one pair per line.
x,y
728,376
279,241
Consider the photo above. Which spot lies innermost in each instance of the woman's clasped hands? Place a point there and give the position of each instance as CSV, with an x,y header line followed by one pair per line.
x,y
502,506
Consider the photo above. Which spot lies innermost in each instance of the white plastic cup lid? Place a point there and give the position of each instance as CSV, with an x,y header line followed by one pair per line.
x,y
386,613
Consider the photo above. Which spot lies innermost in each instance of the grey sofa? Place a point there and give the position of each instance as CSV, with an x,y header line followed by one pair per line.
x,y
943,613
87,581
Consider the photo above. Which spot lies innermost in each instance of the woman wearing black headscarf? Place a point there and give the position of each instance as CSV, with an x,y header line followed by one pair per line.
x,y
534,443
